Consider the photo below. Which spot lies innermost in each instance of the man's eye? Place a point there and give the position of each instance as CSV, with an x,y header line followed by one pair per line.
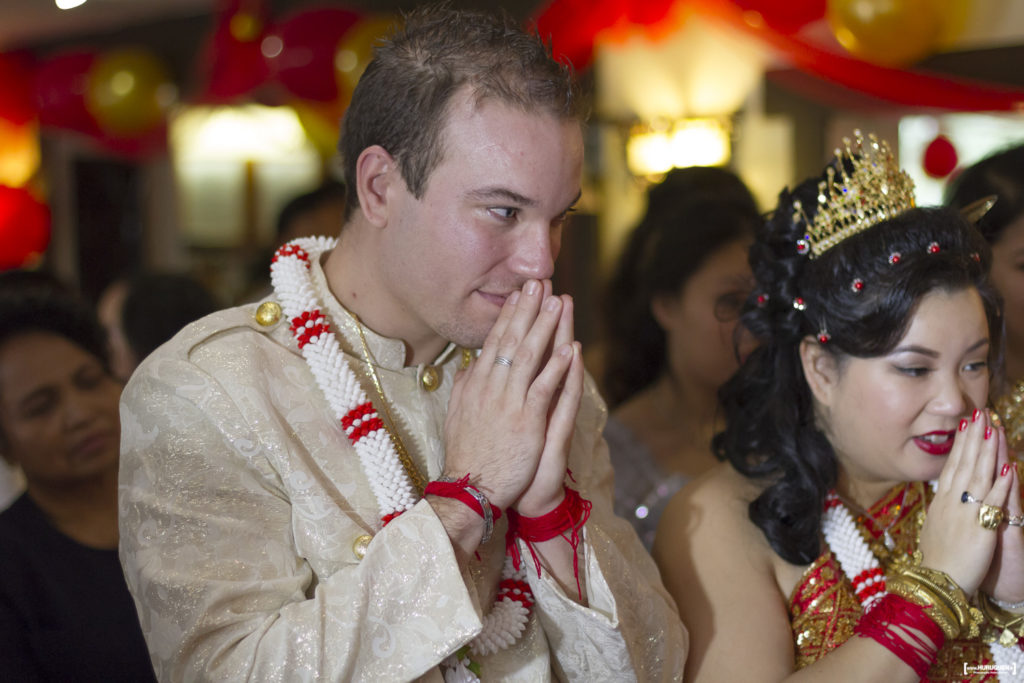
x,y
504,212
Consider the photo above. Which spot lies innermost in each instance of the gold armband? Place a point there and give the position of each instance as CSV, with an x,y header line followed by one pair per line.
x,y
942,599
1010,623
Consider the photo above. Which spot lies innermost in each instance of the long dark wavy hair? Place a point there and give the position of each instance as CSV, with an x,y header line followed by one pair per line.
x,y
771,434
690,215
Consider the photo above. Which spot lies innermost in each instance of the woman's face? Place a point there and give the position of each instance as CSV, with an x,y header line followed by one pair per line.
x,y
893,418
58,410
700,320
1007,276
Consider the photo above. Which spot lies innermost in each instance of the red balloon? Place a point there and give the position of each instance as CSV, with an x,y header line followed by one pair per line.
x,y
649,12
60,87
788,16
24,228
940,157
233,57
303,59
16,102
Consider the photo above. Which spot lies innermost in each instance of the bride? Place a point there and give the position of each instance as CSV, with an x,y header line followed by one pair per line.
x,y
866,524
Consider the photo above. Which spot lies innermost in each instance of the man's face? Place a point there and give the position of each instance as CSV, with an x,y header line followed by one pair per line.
x,y
490,219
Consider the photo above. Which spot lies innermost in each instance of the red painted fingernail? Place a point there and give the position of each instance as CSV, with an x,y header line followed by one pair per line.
x,y
988,432
963,425
1006,470
976,415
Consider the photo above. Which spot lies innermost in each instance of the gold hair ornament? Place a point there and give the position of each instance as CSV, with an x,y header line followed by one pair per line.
x,y
852,201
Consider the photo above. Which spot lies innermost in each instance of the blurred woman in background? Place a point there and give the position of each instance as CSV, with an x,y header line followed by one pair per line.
x,y
65,612
670,315
999,178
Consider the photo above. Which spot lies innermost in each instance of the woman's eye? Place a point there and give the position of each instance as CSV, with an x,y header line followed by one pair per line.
x,y
976,366
728,307
90,377
38,406
913,371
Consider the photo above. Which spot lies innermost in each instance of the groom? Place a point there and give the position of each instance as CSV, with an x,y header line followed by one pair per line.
x,y
393,468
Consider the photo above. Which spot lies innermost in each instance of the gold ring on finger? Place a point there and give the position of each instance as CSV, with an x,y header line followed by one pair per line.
x,y
990,516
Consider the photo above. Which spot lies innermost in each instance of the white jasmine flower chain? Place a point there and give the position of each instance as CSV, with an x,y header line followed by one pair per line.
x,y
390,483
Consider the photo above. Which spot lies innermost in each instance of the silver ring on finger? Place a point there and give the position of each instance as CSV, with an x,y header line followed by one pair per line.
x,y
1015,520
966,497
502,360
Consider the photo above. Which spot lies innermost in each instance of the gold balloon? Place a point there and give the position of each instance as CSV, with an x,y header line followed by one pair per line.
x,y
129,91
887,32
355,49
955,16
321,123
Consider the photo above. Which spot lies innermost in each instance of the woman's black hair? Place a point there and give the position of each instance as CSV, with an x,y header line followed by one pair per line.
x,y
158,304
34,301
999,175
691,214
864,299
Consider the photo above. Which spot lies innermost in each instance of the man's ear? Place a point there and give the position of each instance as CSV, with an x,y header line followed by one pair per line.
x,y
376,169
820,369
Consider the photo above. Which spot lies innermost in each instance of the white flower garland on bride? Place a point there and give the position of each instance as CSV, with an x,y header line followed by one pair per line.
x,y
865,573
389,481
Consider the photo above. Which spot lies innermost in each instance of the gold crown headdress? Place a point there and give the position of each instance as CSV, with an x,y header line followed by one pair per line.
x,y
852,201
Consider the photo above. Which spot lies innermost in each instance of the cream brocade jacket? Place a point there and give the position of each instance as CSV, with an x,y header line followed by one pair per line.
x,y
241,498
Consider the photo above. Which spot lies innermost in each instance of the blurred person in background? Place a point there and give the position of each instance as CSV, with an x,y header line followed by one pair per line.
x,y
65,611
671,312
143,311
12,483
317,212
320,211
999,178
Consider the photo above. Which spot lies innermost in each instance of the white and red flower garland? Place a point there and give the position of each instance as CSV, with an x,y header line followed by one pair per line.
x,y
391,484
852,553
865,573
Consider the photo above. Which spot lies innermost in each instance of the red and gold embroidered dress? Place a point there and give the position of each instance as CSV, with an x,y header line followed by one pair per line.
x,y
823,608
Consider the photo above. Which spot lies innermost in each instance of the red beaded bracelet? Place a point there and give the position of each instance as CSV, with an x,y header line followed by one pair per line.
x,y
464,492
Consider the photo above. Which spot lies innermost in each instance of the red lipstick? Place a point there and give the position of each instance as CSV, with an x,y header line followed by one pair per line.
x,y
935,448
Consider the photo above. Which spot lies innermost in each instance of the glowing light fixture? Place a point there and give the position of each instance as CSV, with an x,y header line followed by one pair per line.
x,y
20,158
688,142
68,4
235,167
246,133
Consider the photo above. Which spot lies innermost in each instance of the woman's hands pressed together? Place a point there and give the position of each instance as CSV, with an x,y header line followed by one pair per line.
x,y
953,538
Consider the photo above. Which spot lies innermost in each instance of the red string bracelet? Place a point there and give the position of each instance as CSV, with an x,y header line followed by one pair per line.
x,y
569,517
882,624
464,492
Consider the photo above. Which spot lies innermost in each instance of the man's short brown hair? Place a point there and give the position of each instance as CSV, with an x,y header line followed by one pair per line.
x,y
402,100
